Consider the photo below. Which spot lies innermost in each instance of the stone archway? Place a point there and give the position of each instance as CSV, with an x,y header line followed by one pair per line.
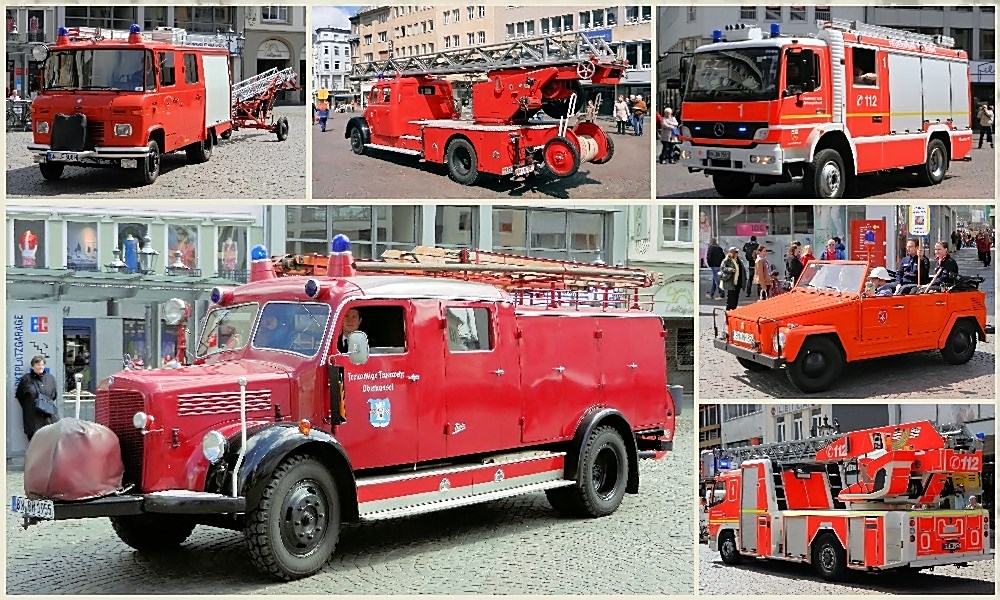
x,y
277,54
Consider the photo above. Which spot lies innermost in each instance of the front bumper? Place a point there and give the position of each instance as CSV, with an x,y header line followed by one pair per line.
x,y
167,502
738,161
98,155
762,359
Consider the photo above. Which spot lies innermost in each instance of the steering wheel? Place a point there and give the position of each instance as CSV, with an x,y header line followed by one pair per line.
x,y
585,70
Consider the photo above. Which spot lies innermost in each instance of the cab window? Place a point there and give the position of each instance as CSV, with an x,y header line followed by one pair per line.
x,y
385,326
802,71
865,73
468,329
167,74
150,75
386,94
190,68
291,327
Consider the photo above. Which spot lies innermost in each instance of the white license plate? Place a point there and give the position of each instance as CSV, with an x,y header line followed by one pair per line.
x,y
129,163
743,337
525,170
62,156
951,546
719,154
38,509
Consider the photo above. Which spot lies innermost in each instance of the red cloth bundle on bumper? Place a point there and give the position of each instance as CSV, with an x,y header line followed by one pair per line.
x,y
72,460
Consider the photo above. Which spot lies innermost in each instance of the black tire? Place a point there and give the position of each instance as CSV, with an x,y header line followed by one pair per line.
x,y
728,551
961,344
732,185
293,530
829,558
281,129
51,170
826,177
750,365
463,164
149,169
601,480
611,152
199,152
357,140
226,134
936,165
560,148
152,533
817,365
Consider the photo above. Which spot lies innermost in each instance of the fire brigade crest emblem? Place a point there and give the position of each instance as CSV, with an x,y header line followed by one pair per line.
x,y
379,412
883,316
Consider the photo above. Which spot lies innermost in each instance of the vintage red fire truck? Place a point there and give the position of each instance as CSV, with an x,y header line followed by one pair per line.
x,y
412,110
449,392
123,101
870,500
822,109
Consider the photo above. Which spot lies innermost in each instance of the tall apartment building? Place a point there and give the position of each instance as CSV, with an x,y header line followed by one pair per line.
x,y
332,62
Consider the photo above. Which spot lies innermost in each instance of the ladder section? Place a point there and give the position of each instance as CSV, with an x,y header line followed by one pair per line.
x,y
835,475
798,451
257,85
542,51
779,486
887,33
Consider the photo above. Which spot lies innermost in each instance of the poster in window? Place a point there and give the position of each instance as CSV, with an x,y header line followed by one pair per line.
x,y
185,239
29,236
134,342
81,246
168,345
232,249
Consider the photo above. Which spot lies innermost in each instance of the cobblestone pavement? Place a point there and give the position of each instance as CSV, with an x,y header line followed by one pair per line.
x,y
906,376
517,546
755,577
338,173
972,179
252,164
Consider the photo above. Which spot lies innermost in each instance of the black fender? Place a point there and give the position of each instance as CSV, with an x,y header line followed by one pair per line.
x,y
271,445
597,417
359,122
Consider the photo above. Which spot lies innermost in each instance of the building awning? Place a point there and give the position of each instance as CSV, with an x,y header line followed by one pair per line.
x,y
65,285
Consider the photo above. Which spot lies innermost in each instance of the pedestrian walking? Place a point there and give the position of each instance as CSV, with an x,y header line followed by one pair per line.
x,y
591,112
668,136
750,252
762,277
714,257
36,392
322,114
983,248
639,110
621,114
733,276
985,118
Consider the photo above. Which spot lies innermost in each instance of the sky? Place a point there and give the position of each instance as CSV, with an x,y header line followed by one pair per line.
x,y
333,16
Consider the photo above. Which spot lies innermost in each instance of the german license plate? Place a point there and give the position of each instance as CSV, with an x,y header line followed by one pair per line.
x,y
525,170
38,509
129,163
62,156
952,545
719,154
743,337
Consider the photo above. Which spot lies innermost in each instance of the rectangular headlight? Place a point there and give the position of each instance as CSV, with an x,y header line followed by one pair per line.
x,y
123,129
42,127
761,159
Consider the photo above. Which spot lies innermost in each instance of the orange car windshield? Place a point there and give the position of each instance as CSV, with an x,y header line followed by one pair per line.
x,y
837,277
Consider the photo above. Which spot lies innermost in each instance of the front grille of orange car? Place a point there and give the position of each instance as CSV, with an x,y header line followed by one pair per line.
x,y
114,410
95,134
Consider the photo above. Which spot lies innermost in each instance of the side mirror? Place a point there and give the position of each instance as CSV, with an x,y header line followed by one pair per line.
x,y
357,347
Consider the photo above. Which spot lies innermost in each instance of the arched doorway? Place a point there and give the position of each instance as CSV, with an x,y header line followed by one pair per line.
x,y
275,54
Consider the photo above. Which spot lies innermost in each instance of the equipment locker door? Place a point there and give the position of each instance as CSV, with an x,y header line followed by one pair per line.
x,y
750,509
868,105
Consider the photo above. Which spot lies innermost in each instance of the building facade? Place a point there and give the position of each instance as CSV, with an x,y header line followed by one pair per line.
x,y
742,424
276,38
332,63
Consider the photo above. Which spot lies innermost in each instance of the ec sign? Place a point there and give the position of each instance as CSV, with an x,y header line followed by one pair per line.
x,y
39,324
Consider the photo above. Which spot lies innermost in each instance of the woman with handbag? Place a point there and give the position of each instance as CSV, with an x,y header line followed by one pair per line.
x,y
36,392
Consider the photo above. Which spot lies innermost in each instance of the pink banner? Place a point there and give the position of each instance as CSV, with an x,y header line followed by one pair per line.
x,y
748,229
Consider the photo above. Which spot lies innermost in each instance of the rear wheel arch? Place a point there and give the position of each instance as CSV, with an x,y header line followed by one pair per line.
x,y
590,422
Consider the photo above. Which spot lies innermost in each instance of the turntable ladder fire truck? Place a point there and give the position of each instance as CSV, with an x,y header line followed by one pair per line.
x,y
823,108
869,500
449,390
253,99
411,107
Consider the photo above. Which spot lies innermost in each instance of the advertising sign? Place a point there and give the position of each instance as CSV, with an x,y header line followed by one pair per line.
x,y
868,234
748,229
918,223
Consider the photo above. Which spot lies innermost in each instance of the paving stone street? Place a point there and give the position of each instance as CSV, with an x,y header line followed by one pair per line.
x,y
252,164
513,546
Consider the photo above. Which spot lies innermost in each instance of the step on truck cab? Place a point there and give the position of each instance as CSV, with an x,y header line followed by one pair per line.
x,y
125,100
326,392
823,108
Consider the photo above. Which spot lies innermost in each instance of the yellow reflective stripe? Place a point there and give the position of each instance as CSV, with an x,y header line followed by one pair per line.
x,y
714,521
948,513
755,511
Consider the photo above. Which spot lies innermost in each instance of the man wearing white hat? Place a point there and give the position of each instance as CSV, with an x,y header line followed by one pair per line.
x,y
879,283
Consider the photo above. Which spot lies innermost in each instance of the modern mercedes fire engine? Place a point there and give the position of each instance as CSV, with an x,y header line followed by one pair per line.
x,y
123,99
412,109
869,500
468,378
824,108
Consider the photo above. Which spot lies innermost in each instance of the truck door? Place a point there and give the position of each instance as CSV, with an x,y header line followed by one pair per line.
x,y
752,480
169,110
191,100
380,114
481,403
867,113
381,397
883,319
805,96
927,313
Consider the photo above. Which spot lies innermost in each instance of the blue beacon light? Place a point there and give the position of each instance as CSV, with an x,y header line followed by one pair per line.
x,y
63,31
340,243
134,28
775,29
259,252
716,35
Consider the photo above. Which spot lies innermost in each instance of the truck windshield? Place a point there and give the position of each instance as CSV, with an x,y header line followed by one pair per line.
x,y
96,69
833,276
226,328
292,327
734,74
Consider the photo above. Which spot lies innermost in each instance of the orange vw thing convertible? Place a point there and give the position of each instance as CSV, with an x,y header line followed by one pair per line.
x,y
830,318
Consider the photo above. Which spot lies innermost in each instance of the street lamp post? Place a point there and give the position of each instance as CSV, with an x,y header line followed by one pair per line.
x,y
147,256
235,42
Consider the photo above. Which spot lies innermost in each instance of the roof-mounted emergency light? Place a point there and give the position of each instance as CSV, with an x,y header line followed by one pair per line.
x,y
314,289
716,35
221,296
261,267
135,34
341,261
62,39
775,30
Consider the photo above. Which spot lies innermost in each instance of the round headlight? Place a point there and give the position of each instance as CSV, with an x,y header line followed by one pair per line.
x,y
141,420
213,446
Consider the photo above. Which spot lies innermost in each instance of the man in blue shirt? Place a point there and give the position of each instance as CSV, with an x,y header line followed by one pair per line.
x,y
907,273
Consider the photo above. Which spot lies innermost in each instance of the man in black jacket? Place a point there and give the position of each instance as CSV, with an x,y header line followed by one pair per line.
x,y
713,257
748,251
35,382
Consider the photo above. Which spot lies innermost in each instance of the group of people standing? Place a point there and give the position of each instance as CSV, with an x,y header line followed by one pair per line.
x,y
630,112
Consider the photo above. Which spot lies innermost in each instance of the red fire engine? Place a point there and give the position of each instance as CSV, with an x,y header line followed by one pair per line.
x,y
125,100
824,108
415,113
870,500
462,383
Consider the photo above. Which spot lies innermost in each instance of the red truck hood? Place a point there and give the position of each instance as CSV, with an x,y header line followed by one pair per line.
x,y
792,304
217,377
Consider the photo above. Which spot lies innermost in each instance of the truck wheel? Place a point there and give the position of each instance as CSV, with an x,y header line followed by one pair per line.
x,y
463,164
932,173
817,366
750,365
601,480
51,170
829,558
199,152
960,345
611,151
293,530
732,185
281,129
149,169
728,551
560,156
825,177
357,140
152,533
